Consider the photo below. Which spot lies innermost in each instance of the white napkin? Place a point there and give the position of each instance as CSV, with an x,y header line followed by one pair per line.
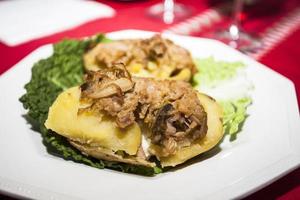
x,y
23,20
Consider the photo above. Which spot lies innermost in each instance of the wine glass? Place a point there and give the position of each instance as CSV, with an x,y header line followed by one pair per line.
x,y
169,11
235,36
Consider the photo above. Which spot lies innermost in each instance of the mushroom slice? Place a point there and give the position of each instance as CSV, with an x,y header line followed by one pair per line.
x,y
108,82
118,86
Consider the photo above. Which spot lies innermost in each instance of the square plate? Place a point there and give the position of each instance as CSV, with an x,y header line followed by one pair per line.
x,y
267,147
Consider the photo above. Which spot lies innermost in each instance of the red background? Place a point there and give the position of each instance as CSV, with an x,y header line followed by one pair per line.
x,y
283,58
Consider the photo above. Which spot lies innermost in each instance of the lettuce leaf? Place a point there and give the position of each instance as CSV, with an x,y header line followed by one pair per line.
x,y
212,74
234,114
50,77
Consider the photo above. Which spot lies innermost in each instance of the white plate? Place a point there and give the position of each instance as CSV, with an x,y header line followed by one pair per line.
x,y
267,148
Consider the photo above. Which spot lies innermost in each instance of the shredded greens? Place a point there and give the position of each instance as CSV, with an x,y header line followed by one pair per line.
x,y
213,74
234,112
50,77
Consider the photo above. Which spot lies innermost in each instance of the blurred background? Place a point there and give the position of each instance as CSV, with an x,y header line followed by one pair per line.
x,y
266,30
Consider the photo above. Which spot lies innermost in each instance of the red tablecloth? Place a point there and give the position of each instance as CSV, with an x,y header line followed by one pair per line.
x,y
276,22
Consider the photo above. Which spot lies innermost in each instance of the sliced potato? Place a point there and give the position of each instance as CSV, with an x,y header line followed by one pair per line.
x,y
183,75
213,136
89,129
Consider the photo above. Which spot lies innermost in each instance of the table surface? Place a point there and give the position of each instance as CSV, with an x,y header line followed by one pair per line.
x,y
278,28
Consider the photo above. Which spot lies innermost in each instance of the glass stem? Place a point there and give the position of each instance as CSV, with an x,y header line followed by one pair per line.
x,y
168,15
234,29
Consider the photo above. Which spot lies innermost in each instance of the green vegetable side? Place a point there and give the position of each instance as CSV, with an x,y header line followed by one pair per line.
x,y
213,73
64,69
235,113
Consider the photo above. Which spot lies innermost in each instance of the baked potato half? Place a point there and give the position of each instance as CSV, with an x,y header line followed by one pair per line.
x,y
153,57
97,135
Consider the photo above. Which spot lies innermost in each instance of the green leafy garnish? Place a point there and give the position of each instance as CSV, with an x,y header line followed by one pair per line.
x,y
212,72
50,77
234,114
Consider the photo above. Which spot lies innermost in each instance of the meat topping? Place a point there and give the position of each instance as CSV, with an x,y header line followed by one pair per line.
x,y
156,55
171,109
